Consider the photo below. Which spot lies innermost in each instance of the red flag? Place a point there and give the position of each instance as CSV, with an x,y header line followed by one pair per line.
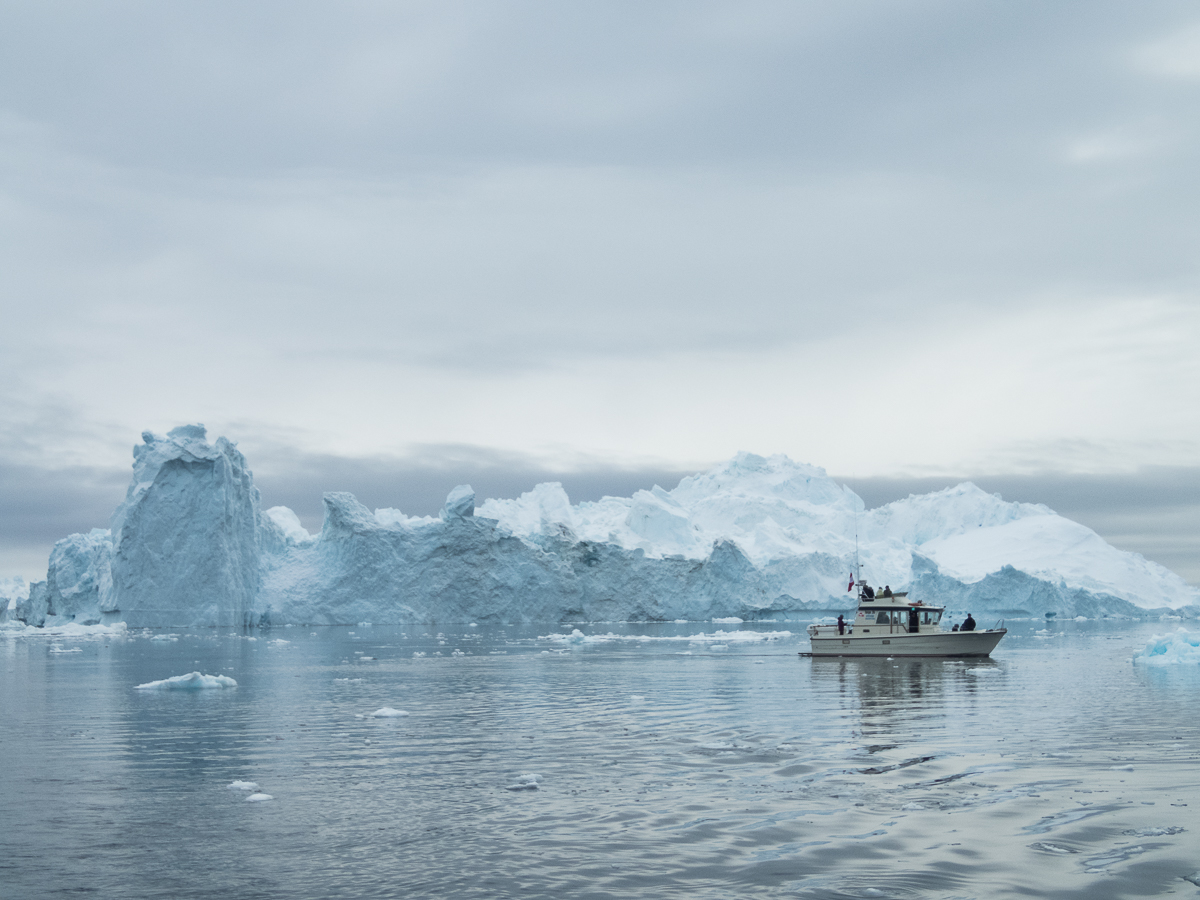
x,y
851,587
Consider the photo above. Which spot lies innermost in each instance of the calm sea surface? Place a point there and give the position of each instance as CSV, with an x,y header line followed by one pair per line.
x,y
666,768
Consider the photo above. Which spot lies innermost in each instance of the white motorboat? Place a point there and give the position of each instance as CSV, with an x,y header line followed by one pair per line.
x,y
888,624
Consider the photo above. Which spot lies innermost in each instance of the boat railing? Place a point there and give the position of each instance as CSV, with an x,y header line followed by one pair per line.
x,y
999,626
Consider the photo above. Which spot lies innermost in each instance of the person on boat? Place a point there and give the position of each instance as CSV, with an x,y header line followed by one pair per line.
x,y
914,619
841,625
868,592
955,628
887,591
968,624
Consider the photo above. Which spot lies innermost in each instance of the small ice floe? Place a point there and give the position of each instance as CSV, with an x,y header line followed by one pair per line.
x,y
1047,847
1121,768
637,698
473,625
1155,832
681,621
348,680
59,648
366,659
984,670
457,653
912,807
278,642
1181,647
243,786
718,646
1194,878
258,798
165,637
1081,618
193,681
528,782
386,712
417,654
728,620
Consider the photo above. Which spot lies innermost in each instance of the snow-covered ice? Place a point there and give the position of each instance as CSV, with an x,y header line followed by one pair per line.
x,y
755,537
243,785
258,798
193,681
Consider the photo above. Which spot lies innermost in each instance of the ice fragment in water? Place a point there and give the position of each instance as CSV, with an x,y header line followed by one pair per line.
x,y
243,785
193,681
387,712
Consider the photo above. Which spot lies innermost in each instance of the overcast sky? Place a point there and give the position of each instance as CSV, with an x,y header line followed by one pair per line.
x,y
389,247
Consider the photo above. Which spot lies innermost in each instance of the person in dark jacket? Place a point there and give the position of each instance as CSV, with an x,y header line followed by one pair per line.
x,y
968,624
841,625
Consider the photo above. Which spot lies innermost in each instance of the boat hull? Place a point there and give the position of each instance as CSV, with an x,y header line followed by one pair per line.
x,y
943,643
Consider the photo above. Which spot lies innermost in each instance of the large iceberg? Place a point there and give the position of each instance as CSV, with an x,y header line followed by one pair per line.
x,y
757,537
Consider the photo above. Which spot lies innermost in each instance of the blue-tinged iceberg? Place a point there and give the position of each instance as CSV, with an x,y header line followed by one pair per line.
x,y
753,538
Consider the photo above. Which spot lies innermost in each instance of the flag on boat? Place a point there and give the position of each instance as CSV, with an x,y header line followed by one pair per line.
x,y
851,586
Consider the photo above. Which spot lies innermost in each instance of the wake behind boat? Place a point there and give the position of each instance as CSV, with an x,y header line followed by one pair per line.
x,y
892,625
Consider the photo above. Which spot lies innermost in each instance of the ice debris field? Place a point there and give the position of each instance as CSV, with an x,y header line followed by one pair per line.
x,y
754,538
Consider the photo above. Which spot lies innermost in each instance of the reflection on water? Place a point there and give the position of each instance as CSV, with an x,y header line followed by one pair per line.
x,y
664,768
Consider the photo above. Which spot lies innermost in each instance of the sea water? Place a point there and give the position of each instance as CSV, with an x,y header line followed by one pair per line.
x,y
686,760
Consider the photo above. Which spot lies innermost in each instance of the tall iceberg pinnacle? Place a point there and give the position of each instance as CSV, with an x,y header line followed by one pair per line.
x,y
187,535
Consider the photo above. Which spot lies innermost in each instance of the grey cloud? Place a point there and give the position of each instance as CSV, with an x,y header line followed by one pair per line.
x,y
42,505
485,187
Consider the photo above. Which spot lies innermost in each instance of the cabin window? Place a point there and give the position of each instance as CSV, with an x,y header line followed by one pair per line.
x,y
882,618
932,616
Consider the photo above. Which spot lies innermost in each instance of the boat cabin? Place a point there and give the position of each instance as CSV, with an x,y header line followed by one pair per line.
x,y
887,617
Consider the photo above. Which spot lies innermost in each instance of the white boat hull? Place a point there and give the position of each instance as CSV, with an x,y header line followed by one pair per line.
x,y
938,643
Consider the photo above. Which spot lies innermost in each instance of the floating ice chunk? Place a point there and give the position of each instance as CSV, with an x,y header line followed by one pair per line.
x,y
718,646
279,641
1155,832
1121,768
386,712
912,807
193,681
527,782
984,670
1181,647
243,786
728,620
636,697
258,798
165,637
59,648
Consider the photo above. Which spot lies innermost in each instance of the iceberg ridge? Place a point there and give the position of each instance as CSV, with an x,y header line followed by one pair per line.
x,y
753,538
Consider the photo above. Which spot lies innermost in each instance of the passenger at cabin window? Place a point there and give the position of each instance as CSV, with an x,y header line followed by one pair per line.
x,y
882,619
